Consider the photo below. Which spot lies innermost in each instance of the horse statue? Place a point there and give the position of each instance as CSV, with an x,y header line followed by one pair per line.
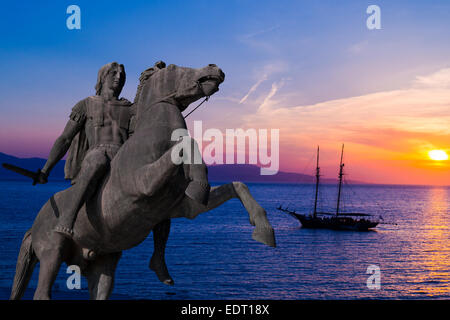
x,y
149,182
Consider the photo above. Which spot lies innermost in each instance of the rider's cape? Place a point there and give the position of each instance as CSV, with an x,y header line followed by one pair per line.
x,y
77,151
92,107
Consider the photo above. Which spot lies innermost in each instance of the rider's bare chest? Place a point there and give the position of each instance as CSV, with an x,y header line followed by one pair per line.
x,y
101,113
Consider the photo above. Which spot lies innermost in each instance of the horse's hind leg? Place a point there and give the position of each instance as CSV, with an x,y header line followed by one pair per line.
x,y
157,262
218,195
26,262
100,275
50,262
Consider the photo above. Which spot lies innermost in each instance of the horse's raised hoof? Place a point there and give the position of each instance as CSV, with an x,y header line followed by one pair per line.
x,y
198,191
161,272
265,235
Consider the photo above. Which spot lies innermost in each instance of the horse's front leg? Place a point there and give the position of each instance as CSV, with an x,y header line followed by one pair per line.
x,y
263,231
152,177
196,172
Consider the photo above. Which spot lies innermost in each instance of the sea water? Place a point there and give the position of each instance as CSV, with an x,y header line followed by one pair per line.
x,y
214,257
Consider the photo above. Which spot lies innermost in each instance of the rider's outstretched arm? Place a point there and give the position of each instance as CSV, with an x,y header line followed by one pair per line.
x,y
61,145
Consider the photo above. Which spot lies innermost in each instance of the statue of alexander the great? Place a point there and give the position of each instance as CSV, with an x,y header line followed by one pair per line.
x,y
97,127
122,193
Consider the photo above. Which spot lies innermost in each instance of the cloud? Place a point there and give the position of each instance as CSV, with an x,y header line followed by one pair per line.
x,y
263,74
253,88
267,100
423,109
388,126
358,47
440,79
258,33
261,40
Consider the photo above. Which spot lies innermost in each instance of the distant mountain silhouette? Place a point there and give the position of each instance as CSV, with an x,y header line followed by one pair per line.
x,y
251,173
217,173
28,163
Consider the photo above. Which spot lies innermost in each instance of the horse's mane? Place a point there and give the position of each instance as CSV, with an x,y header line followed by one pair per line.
x,y
142,79
145,75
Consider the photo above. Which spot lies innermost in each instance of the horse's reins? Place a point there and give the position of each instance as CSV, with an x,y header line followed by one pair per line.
x,y
206,99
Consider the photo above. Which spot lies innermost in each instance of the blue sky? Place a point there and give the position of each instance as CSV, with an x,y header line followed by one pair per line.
x,y
322,45
306,52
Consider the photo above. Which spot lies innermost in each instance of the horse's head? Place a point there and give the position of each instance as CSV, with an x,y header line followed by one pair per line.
x,y
177,85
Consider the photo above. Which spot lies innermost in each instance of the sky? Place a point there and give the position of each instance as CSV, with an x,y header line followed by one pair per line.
x,y
311,69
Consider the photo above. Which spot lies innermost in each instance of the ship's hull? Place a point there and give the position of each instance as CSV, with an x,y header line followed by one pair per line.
x,y
335,223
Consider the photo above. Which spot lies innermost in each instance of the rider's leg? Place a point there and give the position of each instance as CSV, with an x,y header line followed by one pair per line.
x,y
93,168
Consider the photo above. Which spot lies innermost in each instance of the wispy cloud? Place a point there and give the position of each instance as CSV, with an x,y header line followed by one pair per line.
x,y
263,74
440,79
358,47
259,32
267,100
253,88
261,39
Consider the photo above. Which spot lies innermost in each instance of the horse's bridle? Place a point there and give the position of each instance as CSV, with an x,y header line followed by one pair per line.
x,y
199,85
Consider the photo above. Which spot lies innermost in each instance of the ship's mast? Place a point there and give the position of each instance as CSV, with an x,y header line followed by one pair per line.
x,y
317,183
341,167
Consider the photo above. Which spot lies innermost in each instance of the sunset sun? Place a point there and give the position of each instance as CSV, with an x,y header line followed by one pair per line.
x,y
438,155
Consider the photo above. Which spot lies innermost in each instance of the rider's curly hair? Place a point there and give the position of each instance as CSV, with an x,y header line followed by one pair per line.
x,y
104,71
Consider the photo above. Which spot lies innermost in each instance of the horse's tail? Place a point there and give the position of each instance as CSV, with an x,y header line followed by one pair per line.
x,y
24,268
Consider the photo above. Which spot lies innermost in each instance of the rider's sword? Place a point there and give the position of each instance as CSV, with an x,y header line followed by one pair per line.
x,y
24,172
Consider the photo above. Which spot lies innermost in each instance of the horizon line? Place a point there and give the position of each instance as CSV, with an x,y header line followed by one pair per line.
x,y
356,182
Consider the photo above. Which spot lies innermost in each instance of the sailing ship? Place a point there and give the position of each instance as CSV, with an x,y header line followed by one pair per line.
x,y
337,220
